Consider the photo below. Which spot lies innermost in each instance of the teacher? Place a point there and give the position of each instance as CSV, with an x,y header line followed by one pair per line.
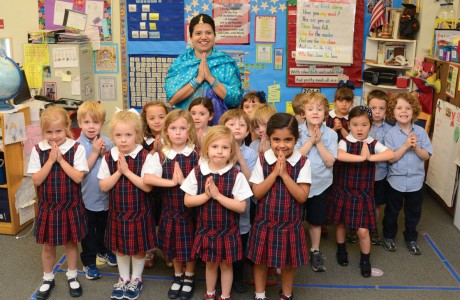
x,y
203,71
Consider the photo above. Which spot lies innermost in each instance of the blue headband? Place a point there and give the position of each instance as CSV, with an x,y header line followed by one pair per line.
x,y
366,109
349,84
261,95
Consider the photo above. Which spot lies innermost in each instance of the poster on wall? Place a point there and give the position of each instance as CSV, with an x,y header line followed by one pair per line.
x,y
325,31
232,19
105,59
154,20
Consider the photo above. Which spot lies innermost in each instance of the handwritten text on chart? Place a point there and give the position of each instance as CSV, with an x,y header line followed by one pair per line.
x,y
316,79
316,71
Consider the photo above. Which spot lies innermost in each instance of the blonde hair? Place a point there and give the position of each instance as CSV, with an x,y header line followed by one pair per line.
x,y
215,133
297,106
93,109
409,98
237,114
52,114
315,97
145,126
127,117
174,116
262,113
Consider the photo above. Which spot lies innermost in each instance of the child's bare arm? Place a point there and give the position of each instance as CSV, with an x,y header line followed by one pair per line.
x,y
108,183
154,180
261,189
347,157
384,156
134,178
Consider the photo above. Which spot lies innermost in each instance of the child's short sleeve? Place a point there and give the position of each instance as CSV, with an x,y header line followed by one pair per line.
x,y
305,173
190,184
34,162
104,171
79,161
257,175
342,145
380,148
241,189
152,165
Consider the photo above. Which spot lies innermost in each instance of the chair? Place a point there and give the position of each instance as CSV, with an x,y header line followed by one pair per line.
x,y
424,120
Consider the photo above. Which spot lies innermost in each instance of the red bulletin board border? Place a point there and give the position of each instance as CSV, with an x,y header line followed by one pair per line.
x,y
354,71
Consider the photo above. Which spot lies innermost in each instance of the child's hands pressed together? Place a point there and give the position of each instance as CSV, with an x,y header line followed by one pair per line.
x,y
122,164
157,144
337,124
207,186
316,136
412,140
53,153
282,164
178,176
98,146
365,153
213,190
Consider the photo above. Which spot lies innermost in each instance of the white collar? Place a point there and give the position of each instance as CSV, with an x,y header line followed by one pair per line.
x,y
205,170
332,114
44,145
271,158
114,152
149,140
171,154
352,139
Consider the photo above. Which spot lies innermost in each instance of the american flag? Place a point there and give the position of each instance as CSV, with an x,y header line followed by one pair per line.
x,y
377,15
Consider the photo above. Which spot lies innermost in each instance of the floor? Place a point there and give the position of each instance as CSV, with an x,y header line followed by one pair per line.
x,y
433,275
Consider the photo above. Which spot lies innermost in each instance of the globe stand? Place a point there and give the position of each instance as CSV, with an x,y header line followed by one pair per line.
x,y
6,106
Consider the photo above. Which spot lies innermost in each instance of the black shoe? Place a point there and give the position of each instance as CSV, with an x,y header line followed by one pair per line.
x,y
365,269
77,291
187,295
375,238
239,287
174,294
413,248
342,258
352,236
44,295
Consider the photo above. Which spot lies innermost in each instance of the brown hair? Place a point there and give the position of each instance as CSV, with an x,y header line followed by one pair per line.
x,y
261,113
409,98
127,117
250,96
359,111
281,121
297,104
52,114
93,109
174,116
145,126
236,113
215,133
377,94
206,102
344,93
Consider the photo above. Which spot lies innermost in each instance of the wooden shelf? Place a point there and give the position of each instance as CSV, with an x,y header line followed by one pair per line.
x,y
388,66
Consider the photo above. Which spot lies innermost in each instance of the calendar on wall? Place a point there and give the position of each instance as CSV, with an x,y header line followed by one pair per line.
x,y
147,73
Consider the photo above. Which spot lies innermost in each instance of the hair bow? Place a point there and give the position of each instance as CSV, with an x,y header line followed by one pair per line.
x,y
117,110
366,109
261,95
349,84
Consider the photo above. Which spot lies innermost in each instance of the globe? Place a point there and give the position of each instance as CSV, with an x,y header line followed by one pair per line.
x,y
10,81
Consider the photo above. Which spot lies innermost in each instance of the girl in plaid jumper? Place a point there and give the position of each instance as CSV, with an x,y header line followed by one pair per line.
x,y
130,231
281,184
352,204
219,191
177,223
57,165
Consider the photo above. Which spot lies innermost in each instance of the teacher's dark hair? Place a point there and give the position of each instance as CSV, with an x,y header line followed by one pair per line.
x,y
281,121
201,18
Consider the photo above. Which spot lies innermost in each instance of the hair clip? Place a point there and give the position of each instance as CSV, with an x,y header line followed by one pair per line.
x,y
366,109
201,20
349,84
261,95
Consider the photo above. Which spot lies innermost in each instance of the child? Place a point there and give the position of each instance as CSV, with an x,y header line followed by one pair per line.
x,y
298,109
202,112
177,225
320,146
377,102
91,117
248,104
238,122
281,183
353,202
219,191
130,232
259,119
57,165
406,171
153,118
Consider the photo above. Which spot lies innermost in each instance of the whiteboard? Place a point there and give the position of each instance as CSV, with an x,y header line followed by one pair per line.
x,y
325,31
442,170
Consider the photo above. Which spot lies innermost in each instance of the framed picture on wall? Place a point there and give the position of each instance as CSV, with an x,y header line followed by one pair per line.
x,y
49,89
106,59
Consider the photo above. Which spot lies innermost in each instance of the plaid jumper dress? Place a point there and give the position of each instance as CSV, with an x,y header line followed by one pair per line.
x,y
61,212
177,222
130,222
217,237
352,202
277,237
330,124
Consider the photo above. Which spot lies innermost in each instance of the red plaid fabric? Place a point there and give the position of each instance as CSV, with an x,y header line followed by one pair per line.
x,y
277,236
130,221
61,212
217,238
177,222
147,146
330,124
353,203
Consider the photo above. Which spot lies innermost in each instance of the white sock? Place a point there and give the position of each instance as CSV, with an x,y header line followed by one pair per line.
x,y
260,295
313,249
123,266
138,267
47,277
186,288
211,293
176,286
73,274
224,297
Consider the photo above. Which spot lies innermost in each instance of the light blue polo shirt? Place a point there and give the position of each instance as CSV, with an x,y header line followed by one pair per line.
x,y
378,132
321,177
93,197
408,173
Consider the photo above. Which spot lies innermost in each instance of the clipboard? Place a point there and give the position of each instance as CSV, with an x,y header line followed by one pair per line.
x,y
75,19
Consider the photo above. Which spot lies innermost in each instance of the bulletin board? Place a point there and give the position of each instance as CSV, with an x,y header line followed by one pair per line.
x,y
324,75
47,9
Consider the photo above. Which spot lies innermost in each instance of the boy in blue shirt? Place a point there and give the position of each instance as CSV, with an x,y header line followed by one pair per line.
x,y
91,117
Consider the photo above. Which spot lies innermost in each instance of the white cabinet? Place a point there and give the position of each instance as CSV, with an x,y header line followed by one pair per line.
x,y
380,52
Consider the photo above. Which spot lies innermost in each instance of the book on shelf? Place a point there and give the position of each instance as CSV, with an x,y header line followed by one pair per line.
x,y
394,19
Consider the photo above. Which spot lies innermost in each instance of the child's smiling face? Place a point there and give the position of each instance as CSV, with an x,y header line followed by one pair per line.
x,y
403,112
282,140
